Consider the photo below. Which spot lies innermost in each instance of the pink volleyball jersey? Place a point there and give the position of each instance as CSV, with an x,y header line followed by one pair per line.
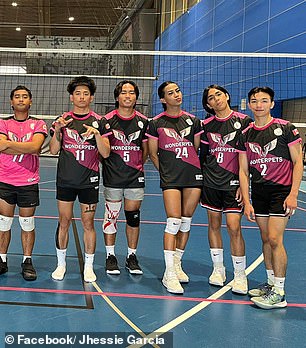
x,y
20,170
267,150
179,164
220,165
78,162
124,167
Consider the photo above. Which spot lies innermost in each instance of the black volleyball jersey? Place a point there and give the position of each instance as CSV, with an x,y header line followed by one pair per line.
x,y
124,167
78,163
218,142
267,150
179,164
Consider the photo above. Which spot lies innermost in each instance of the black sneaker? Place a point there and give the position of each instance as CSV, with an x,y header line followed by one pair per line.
x,y
111,265
27,270
3,266
132,265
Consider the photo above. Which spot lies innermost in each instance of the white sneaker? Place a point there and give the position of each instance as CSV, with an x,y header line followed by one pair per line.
x,y
240,283
181,275
59,273
89,274
218,276
171,282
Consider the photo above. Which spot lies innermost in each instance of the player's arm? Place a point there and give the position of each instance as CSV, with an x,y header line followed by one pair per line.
x,y
197,142
296,155
56,139
145,151
103,144
20,148
244,179
153,152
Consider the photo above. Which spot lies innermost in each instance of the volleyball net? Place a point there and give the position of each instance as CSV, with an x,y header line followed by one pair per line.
x,y
47,73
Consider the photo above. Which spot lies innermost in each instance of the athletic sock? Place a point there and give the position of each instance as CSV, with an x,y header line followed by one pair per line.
x,y
110,250
239,263
169,259
3,257
61,256
279,285
270,276
131,251
217,257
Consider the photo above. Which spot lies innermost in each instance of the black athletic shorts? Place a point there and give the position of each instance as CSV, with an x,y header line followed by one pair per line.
x,y
268,200
23,196
220,200
86,196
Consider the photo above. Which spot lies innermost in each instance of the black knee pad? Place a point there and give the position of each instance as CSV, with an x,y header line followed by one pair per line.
x,y
132,217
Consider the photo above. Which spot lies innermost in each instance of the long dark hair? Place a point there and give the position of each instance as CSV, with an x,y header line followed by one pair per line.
x,y
205,96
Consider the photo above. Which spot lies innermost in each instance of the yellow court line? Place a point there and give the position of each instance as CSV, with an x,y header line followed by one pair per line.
x,y
172,324
120,313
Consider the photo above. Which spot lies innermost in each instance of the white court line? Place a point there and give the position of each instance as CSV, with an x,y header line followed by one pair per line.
x,y
180,319
121,314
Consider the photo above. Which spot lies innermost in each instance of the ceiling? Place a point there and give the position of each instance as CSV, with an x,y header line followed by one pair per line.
x,y
92,18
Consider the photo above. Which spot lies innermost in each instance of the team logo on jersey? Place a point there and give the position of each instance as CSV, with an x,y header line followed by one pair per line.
x,y
75,136
107,126
95,124
189,121
237,125
266,149
217,138
140,124
278,131
14,137
32,125
179,137
126,140
295,131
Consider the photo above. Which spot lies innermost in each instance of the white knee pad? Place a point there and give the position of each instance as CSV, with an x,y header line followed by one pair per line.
x,y
5,223
112,211
27,224
186,224
173,225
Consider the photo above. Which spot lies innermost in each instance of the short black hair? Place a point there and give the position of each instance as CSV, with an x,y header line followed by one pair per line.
x,y
82,81
264,89
18,88
161,91
205,96
118,90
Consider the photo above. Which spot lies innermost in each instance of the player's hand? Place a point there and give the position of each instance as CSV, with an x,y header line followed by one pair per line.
x,y
249,212
239,197
290,205
3,144
61,122
90,132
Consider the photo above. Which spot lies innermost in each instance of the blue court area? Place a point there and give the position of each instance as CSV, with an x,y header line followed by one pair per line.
x,y
205,316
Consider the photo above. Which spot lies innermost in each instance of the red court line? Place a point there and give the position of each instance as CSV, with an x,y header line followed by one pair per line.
x,y
138,296
255,227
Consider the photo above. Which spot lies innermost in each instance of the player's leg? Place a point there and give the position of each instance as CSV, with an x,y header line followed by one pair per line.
x,y
89,199
240,283
6,220
172,202
212,200
132,203
65,201
27,200
112,205
190,200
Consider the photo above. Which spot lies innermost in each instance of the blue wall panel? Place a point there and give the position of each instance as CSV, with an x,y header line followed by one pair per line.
x,y
236,26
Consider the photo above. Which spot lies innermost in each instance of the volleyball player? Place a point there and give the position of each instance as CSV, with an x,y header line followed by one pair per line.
x,y
271,153
76,136
221,192
123,174
21,139
174,138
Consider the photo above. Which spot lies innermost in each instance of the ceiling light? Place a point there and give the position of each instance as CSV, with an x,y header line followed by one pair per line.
x,y
18,29
71,19
14,4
